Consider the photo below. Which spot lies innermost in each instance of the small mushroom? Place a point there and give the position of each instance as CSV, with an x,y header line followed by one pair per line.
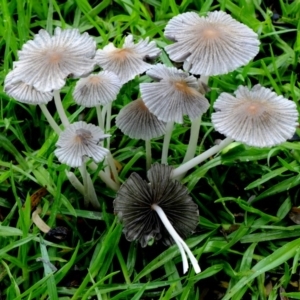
x,y
128,61
257,117
24,92
136,121
212,45
174,95
161,209
79,140
97,89
46,61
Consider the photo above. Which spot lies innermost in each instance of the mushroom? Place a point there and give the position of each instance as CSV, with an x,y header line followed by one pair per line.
x,y
97,89
136,121
256,117
24,92
161,209
46,61
174,95
212,45
78,141
128,61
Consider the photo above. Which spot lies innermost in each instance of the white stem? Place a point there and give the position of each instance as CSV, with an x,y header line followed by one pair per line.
x,y
195,129
167,138
50,119
99,117
194,134
178,240
113,168
105,178
148,154
75,182
89,190
83,173
60,110
200,158
108,125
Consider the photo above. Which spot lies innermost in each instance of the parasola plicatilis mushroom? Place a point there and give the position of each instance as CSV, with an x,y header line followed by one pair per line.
x,y
161,209
80,140
136,121
128,61
174,95
256,117
211,45
46,61
97,89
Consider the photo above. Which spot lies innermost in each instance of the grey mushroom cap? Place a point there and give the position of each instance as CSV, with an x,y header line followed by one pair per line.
x,y
46,61
257,117
175,94
128,61
136,196
212,45
80,140
97,89
136,121
23,92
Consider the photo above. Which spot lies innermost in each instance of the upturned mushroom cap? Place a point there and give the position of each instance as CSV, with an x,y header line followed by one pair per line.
x,y
23,92
175,95
256,117
79,140
136,121
128,61
135,198
212,45
97,89
46,61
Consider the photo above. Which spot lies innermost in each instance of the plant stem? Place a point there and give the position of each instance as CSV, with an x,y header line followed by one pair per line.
x,y
75,182
195,129
113,168
60,109
194,134
105,178
99,116
178,240
50,119
89,190
200,158
167,138
148,154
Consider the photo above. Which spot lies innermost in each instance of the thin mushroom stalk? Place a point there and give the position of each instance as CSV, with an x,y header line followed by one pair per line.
x,y
166,144
179,171
195,128
179,241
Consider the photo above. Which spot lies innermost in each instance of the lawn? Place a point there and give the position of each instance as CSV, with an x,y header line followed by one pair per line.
x,y
69,226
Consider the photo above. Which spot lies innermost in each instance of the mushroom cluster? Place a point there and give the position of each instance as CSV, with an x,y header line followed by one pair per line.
x,y
210,45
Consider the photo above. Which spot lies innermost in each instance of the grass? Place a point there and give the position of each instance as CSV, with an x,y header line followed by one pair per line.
x,y
246,251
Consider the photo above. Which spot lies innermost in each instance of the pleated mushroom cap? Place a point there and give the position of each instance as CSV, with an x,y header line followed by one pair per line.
x,y
175,95
256,117
128,61
79,140
46,61
97,89
135,198
212,45
23,92
136,121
